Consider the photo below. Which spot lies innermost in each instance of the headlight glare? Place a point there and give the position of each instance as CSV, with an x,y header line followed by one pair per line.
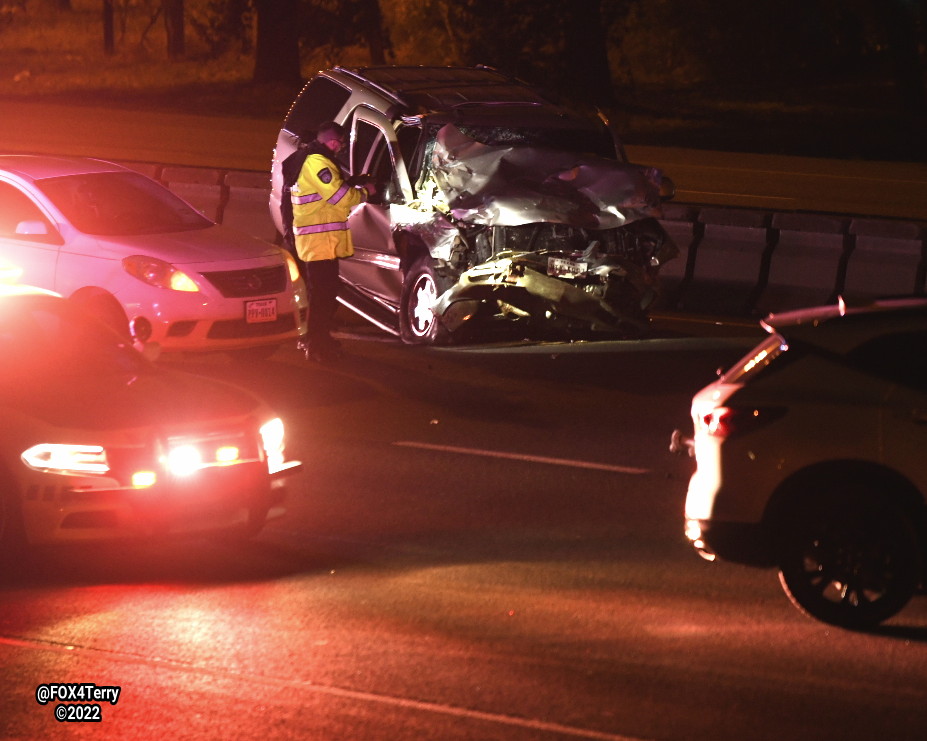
x,y
63,458
184,460
272,437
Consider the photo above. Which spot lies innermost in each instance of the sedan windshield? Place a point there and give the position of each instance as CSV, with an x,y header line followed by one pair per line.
x,y
120,203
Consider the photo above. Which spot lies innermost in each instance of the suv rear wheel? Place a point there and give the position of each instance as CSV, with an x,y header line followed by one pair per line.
x,y
851,561
421,287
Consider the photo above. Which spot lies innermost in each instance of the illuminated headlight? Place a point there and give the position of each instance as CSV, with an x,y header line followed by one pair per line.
x,y
158,273
184,460
273,438
61,458
291,266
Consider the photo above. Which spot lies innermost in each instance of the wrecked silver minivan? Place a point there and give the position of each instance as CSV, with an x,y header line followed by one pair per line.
x,y
498,208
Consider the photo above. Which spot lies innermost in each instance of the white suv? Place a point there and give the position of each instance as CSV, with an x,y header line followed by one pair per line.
x,y
810,458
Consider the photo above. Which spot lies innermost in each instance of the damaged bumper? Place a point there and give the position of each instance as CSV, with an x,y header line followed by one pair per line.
x,y
528,286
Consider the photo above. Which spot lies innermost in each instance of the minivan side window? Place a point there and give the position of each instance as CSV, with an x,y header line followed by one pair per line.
x,y
319,102
372,150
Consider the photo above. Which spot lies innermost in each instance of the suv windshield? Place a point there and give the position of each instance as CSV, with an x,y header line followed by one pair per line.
x,y
120,203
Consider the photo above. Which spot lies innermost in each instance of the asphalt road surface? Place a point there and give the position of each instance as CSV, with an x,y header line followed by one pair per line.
x,y
760,181
485,544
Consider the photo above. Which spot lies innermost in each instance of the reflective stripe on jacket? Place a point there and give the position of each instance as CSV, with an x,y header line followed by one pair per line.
x,y
322,202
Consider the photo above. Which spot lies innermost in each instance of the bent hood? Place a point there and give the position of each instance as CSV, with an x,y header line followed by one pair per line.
x,y
514,185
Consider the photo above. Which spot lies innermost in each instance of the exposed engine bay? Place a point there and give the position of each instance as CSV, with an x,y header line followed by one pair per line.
x,y
521,232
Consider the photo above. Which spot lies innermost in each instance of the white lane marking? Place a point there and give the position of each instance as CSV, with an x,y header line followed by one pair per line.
x,y
331,690
753,196
522,457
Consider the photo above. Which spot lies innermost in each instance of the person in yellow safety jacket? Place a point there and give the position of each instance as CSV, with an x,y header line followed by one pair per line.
x,y
322,199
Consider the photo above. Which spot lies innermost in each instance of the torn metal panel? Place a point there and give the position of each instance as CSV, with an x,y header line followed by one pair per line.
x,y
515,185
606,298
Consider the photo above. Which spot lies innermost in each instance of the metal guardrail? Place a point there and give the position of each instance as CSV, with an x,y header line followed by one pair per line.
x,y
732,261
749,262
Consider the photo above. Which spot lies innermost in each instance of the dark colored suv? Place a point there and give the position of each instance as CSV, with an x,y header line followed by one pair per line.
x,y
498,207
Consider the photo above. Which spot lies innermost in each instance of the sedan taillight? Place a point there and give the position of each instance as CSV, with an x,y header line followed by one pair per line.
x,y
724,422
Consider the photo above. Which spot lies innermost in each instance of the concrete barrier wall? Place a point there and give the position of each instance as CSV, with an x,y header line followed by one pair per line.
x,y
732,261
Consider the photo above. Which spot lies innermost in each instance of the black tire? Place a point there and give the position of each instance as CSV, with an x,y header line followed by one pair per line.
x,y
851,562
420,288
103,306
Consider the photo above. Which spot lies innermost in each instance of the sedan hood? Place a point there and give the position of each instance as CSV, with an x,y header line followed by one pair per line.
x,y
108,401
515,185
211,245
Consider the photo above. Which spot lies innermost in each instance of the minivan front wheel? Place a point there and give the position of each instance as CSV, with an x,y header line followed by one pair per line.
x,y
418,324
852,562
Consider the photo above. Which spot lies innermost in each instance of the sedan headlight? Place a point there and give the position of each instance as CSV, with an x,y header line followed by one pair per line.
x,y
62,458
158,273
291,266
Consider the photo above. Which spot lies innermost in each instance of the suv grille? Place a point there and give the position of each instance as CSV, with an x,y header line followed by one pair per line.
x,y
252,282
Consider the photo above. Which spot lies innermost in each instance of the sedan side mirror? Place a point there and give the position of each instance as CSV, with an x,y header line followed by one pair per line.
x,y
32,228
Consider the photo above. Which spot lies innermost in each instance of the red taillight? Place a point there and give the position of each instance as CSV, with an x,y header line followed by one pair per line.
x,y
718,422
726,421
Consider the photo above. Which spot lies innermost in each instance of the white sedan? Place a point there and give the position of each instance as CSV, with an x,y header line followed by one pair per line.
x,y
139,256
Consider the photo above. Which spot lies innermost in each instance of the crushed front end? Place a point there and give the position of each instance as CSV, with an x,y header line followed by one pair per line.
x,y
558,277
555,240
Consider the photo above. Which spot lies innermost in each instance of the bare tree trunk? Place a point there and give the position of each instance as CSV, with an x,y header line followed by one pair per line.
x,y
276,57
174,26
374,31
586,51
900,19
109,36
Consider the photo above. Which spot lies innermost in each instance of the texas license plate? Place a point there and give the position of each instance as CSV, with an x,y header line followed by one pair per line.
x,y
263,310
560,266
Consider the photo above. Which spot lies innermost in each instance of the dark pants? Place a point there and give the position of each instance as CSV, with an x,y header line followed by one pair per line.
x,y
322,280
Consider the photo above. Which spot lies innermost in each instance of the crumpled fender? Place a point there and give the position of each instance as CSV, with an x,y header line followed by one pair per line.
x,y
515,281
